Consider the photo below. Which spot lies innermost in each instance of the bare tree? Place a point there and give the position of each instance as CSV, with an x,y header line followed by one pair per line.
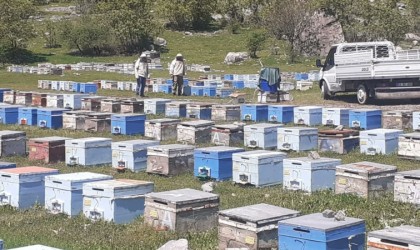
x,y
287,19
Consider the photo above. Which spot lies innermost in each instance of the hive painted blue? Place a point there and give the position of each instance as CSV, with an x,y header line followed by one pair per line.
x,y
200,111
128,124
280,113
297,138
50,118
88,88
365,118
197,90
261,135
254,112
131,155
91,151
28,116
5,165
176,109
209,91
308,115
335,116
214,162
9,114
379,141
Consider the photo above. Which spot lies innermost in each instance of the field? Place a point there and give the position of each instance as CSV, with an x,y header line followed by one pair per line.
x,y
36,226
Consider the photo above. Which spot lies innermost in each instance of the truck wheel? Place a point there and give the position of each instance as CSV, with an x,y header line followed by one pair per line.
x,y
324,92
362,94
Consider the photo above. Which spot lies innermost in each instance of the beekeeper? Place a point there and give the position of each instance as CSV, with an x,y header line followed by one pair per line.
x,y
177,72
141,71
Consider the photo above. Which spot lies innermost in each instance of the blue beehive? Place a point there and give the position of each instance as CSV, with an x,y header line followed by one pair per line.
x,y
416,120
128,124
308,115
5,165
197,90
119,201
254,112
165,88
335,116
76,87
23,187
310,175
199,111
214,162
379,141
2,90
223,92
200,84
209,91
228,77
298,77
9,114
88,88
297,138
238,84
314,231
280,113
28,116
50,118
63,192
176,109
365,118
131,154
155,106
304,76
90,151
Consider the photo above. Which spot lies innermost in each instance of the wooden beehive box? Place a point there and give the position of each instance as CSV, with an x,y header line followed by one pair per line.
x,y
75,119
365,179
39,99
98,122
407,186
182,210
161,129
132,106
110,106
194,132
12,143
226,112
24,98
55,101
395,238
92,103
9,97
409,146
172,159
252,227
339,141
227,135
397,119
49,149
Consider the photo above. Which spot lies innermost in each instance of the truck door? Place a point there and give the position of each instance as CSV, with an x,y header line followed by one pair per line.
x,y
329,71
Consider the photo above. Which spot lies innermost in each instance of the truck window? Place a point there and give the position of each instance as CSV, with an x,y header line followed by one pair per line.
x,y
330,58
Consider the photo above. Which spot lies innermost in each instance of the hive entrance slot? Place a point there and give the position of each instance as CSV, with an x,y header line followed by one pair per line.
x,y
412,178
351,172
393,242
160,202
301,230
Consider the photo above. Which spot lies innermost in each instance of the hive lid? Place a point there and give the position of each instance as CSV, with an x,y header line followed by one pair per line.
x,y
218,149
318,222
231,127
307,159
413,173
197,123
259,213
163,120
5,134
29,170
367,167
79,176
365,110
338,133
50,138
263,125
404,234
119,184
170,147
259,154
411,135
186,195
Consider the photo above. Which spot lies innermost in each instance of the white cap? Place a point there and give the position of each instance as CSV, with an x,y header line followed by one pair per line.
x,y
143,55
179,55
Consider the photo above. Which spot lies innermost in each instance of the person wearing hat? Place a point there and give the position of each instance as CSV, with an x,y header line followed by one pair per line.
x,y
177,72
141,71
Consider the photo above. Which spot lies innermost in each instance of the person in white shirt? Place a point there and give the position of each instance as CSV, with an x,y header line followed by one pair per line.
x,y
177,72
141,71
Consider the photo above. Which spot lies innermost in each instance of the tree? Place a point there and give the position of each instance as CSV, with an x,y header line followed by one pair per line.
x,y
51,34
286,19
255,42
188,14
15,27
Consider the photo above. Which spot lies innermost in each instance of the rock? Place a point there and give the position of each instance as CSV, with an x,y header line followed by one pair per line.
x,y
314,155
187,33
415,43
181,244
234,57
208,187
411,36
328,213
161,41
340,216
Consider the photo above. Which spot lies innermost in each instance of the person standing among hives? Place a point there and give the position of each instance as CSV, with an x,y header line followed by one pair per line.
x,y
141,71
177,72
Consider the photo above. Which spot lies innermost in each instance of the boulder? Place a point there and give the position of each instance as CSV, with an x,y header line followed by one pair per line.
x,y
161,41
235,57
181,244
412,37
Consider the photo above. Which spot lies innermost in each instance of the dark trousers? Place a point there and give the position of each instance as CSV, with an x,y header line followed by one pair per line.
x,y
141,84
178,83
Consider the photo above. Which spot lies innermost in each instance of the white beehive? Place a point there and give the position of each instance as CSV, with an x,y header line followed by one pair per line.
x,y
88,151
261,135
407,186
379,141
131,154
297,138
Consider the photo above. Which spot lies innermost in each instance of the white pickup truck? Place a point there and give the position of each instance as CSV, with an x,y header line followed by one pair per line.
x,y
372,70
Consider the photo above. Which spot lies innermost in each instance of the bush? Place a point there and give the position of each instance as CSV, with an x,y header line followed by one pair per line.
x,y
255,42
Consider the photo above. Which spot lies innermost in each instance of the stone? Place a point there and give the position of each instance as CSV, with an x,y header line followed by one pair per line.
x,y
328,213
314,155
412,36
340,215
415,43
235,57
208,187
161,42
181,244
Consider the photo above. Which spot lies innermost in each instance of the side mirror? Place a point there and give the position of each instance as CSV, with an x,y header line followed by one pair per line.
x,y
319,64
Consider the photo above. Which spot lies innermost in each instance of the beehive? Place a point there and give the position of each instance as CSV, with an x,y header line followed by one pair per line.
x,y
308,115
261,135
92,103
39,99
131,155
407,187
9,96
254,112
314,231
182,210
28,116
309,174
280,113
23,187
24,98
162,129
172,159
155,106
50,118
199,111
63,192
194,132
297,138
365,118
176,109
98,122
339,141
379,141
88,151
132,106
75,119
110,106
252,227
2,90
335,116
49,149
119,201
214,162
12,143
397,119
73,101
409,145
226,112
55,101
258,167
365,179
395,238
227,135
9,114
128,124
